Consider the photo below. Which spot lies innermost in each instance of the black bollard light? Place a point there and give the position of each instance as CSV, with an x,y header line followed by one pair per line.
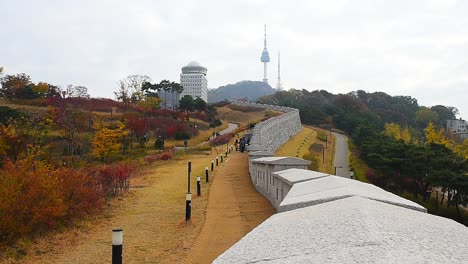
x,y
188,207
117,245
212,165
226,153
222,158
188,175
207,175
198,185
216,161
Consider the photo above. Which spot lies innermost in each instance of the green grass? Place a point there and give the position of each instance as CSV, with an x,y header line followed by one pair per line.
x,y
321,135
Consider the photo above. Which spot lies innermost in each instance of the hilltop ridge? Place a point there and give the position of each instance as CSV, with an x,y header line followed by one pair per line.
x,y
250,90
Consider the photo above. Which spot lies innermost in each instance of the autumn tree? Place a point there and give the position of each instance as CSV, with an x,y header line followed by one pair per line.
x,y
395,131
425,115
12,85
462,149
107,139
434,135
150,103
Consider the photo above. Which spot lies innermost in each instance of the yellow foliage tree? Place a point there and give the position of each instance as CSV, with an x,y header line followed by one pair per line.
x,y
436,136
395,131
432,136
107,139
462,149
406,136
150,103
41,88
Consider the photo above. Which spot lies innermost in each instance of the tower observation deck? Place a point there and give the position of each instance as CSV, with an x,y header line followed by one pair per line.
x,y
265,59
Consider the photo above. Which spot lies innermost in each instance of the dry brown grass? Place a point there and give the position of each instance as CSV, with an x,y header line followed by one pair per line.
x,y
308,136
152,216
242,118
24,108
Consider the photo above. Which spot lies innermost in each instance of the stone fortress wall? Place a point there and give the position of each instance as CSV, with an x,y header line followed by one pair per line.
x,y
272,133
324,218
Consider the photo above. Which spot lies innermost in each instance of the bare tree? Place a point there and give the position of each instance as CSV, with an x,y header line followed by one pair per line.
x,y
72,91
133,85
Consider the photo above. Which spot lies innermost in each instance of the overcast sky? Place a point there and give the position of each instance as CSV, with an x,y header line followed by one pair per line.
x,y
401,47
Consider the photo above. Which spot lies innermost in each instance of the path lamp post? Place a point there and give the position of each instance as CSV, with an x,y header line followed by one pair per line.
x,y
198,185
188,197
117,241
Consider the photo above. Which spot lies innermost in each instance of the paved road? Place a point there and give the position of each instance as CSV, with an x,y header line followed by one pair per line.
x,y
231,127
341,155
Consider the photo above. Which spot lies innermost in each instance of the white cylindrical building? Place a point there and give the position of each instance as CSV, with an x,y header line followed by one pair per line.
x,y
193,79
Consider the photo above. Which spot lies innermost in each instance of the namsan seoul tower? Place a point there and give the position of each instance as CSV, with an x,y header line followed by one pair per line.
x,y
265,59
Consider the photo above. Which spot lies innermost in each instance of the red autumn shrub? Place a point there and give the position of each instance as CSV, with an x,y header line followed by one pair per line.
x,y
160,156
37,197
114,178
223,139
170,131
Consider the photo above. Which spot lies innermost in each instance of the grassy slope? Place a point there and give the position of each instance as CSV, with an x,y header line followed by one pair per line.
x,y
238,117
152,215
299,144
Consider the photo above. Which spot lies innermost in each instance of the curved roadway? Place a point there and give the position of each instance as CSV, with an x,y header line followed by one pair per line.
x,y
341,162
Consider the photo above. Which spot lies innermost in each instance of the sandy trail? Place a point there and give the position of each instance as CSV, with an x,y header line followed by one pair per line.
x,y
234,209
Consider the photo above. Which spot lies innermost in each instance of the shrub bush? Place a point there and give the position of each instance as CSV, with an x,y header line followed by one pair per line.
x,y
216,123
182,135
114,178
223,139
37,197
314,161
159,143
322,136
160,156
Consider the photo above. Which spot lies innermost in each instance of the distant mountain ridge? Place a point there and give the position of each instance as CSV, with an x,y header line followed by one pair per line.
x,y
251,90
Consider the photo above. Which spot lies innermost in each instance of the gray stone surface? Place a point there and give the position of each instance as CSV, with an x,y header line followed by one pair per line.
x,y
292,176
282,161
333,188
352,230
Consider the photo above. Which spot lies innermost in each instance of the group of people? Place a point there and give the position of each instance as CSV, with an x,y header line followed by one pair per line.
x,y
240,144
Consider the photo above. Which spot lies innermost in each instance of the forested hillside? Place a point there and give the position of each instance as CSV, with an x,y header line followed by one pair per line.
x,y
404,144
249,90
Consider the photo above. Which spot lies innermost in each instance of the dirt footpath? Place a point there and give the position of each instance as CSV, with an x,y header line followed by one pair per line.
x,y
234,209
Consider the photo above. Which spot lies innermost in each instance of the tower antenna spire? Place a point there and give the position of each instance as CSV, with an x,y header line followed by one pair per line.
x,y
265,38
279,86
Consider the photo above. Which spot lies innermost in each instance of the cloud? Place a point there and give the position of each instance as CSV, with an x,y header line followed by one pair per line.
x,y
415,48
